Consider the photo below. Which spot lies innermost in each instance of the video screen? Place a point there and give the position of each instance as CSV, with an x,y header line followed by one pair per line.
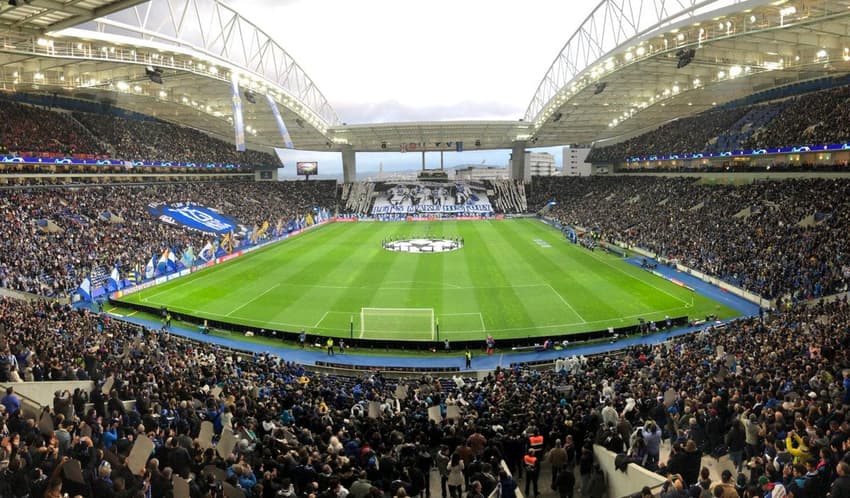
x,y
307,168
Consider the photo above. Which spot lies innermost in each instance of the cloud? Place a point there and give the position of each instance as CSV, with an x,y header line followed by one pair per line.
x,y
385,60
389,111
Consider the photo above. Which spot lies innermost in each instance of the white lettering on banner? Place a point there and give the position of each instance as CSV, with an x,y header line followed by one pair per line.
x,y
479,208
202,218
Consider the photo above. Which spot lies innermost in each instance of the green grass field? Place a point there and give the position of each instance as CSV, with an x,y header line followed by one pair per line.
x,y
512,279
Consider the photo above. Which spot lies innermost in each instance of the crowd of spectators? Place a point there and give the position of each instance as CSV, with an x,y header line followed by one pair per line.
x,y
812,119
681,136
27,130
816,118
748,235
771,391
52,237
154,140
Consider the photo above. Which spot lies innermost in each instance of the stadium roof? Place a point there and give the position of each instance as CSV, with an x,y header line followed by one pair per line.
x,y
619,74
628,68
195,45
41,16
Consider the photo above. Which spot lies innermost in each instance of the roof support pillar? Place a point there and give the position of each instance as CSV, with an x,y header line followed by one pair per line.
x,y
518,160
349,164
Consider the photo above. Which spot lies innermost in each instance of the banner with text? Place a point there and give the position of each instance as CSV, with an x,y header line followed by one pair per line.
x,y
194,217
431,198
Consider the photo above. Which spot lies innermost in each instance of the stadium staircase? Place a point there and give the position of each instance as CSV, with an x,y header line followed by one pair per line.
x,y
72,116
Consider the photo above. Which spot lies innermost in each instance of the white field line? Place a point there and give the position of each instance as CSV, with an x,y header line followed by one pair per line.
x,y
246,303
567,304
624,272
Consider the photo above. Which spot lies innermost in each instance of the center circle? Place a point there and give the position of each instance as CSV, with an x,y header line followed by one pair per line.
x,y
423,245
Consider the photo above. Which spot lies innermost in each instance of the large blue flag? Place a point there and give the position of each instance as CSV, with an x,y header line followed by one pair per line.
x,y
171,262
188,257
162,263
150,267
113,283
207,252
84,290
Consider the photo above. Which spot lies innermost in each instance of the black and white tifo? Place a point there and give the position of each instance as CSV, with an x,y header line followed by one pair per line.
x,y
423,245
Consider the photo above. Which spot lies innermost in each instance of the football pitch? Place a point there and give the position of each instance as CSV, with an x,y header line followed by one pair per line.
x,y
511,279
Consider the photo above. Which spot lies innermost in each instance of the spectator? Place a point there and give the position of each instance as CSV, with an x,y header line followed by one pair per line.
x,y
11,402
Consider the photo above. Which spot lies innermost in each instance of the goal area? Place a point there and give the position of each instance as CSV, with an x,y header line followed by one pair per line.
x,y
397,323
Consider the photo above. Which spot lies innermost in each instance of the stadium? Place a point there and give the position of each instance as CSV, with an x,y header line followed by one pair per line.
x,y
664,315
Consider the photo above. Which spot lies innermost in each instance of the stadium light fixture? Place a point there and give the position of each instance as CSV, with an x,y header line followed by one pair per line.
x,y
154,74
685,57
785,12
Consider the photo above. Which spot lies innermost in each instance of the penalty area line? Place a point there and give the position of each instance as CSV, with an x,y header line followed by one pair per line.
x,y
567,304
321,320
246,303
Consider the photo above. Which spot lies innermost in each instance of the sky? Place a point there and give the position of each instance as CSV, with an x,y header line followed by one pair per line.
x,y
380,61
369,163
411,60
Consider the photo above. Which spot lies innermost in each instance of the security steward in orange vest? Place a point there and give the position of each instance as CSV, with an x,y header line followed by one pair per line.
x,y
535,441
532,471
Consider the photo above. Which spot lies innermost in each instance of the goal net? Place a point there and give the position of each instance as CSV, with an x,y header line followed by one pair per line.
x,y
397,323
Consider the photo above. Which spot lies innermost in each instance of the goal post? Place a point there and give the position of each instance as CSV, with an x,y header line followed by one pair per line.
x,y
397,323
